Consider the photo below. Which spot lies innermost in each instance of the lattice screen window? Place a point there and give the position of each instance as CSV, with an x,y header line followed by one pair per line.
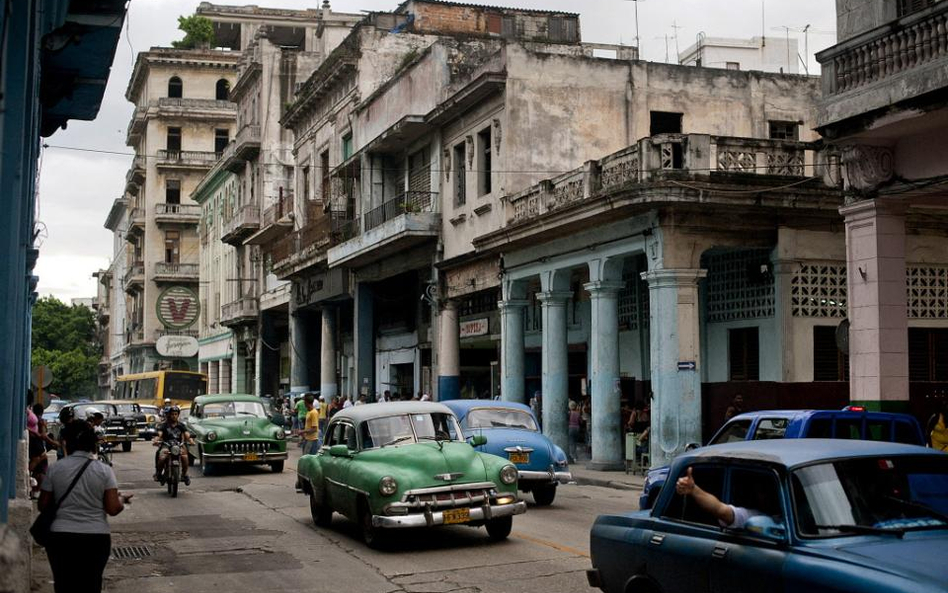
x,y
737,286
633,301
927,288
819,290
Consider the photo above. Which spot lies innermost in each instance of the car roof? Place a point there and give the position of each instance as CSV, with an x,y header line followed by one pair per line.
x,y
225,397
358,414
796,414
463,406
794,452
117,402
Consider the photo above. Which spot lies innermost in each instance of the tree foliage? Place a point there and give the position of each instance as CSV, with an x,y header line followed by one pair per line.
x,y
198,32
64,339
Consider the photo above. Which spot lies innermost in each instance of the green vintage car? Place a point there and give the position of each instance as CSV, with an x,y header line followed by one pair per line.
x,y
234,428
406,464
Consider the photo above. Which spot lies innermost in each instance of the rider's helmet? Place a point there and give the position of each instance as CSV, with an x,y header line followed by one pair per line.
x,y
92,413
175,409
66,415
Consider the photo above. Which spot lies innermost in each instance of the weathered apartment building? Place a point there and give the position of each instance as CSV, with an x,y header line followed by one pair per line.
x,y
883,108
244,330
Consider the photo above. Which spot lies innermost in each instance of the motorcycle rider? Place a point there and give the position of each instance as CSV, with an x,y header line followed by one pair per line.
x,y
171,429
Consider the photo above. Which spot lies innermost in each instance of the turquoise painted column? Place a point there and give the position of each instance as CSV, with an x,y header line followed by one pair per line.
x,y
674,316
299,376
449,353
511,350
364,342
328,386
554,381
604,375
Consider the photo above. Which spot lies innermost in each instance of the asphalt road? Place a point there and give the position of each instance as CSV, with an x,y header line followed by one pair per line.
x,y
247,529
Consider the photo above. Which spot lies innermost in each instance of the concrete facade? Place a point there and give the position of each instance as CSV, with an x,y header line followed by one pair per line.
x,y
881,109
766,54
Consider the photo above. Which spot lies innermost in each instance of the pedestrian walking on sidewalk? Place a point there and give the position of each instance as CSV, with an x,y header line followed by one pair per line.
x,y
80,540
574,423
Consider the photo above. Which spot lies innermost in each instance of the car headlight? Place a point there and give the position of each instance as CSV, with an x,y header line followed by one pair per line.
x,y
508,474
212,436
388,486
280,434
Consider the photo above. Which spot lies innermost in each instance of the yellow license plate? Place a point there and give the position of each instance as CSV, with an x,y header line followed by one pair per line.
x,y
251,457
452,516
519,458
110,438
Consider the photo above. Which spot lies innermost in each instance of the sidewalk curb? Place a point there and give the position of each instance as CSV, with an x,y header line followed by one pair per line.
x,y
604,483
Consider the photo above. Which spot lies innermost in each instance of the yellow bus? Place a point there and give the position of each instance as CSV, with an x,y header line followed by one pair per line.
x,y
153,387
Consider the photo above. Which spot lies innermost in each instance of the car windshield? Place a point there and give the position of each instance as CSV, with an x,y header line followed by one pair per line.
x,y
126,408
149,410
500,418
82,410
54,407
874,494
732,432
233,409
409,428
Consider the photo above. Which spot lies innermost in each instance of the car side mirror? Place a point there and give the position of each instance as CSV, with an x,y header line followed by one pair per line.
x,y
478,440
765,527
339,451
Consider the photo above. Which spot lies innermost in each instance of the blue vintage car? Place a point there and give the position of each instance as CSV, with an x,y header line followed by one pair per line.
x,y
848,423
821,515
513,433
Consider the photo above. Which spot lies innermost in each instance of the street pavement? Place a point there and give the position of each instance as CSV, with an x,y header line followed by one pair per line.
x,y
247,529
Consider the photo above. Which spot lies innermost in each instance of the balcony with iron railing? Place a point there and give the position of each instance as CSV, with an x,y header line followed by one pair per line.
x,y
276,220
247,141
396,224
309,244
177,213
172,272
134,277
186,159
244,221
899,61
242,311
679,169
136,224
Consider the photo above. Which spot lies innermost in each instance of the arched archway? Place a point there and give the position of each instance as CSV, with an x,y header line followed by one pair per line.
x,y
175,87
223,90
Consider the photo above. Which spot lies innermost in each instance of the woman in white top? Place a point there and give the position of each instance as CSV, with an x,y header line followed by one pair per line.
x,y
80,542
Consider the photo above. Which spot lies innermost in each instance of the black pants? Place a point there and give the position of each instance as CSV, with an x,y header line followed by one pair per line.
x,y
78,561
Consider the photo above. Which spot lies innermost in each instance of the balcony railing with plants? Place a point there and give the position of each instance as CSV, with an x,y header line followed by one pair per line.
x,y
407,203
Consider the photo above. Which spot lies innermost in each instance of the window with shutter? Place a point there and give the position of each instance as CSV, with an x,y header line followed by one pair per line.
x,y
829,364
744,354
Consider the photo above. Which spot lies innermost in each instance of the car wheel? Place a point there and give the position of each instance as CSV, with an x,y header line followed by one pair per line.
x,y
544,495
322,516
277,467
126,446
499,529
371,535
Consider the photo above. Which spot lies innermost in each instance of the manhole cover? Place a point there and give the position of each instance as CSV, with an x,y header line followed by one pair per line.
x,y
130,552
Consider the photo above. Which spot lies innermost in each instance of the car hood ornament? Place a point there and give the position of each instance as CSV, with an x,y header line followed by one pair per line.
x,y
448,477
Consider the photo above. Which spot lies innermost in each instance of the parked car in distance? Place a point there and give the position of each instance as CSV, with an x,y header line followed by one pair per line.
x,y
512,432
152,420
51,412
824,516
848,423
406,464
129,410
234,428
119,427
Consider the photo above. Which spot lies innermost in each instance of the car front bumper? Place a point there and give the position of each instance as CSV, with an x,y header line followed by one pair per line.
x,y
430,517
239,457
550,476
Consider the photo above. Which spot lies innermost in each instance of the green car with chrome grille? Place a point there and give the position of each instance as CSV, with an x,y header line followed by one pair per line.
x,y
406,464
234,428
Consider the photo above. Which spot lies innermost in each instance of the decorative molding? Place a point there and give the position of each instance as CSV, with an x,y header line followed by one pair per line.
x,y
483,209
469,145
867,167
446,163
458,219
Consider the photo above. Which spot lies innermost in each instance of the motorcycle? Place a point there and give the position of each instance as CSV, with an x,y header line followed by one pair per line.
x,y
171,474
105,452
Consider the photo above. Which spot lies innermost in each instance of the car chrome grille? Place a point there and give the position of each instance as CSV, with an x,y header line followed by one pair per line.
x,y
247,447
449,497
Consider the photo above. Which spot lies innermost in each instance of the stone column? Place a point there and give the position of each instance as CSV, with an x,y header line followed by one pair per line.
x,y
449,353
364,337
783,283
511,350
604,375
299,374
554,381
674,316
878,330
328,385
224,385
212,376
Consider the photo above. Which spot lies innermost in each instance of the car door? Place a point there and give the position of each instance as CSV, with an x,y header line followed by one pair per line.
x,y
336,469
679,556
743,560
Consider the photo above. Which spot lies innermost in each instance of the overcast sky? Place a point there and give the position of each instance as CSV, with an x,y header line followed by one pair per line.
x,y
77,188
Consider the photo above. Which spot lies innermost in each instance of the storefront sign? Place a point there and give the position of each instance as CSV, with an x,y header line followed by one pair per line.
x,y
178,307
475,327
177,346
318,287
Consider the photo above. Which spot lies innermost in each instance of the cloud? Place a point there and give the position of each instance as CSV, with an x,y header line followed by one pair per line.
x,y
68,276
